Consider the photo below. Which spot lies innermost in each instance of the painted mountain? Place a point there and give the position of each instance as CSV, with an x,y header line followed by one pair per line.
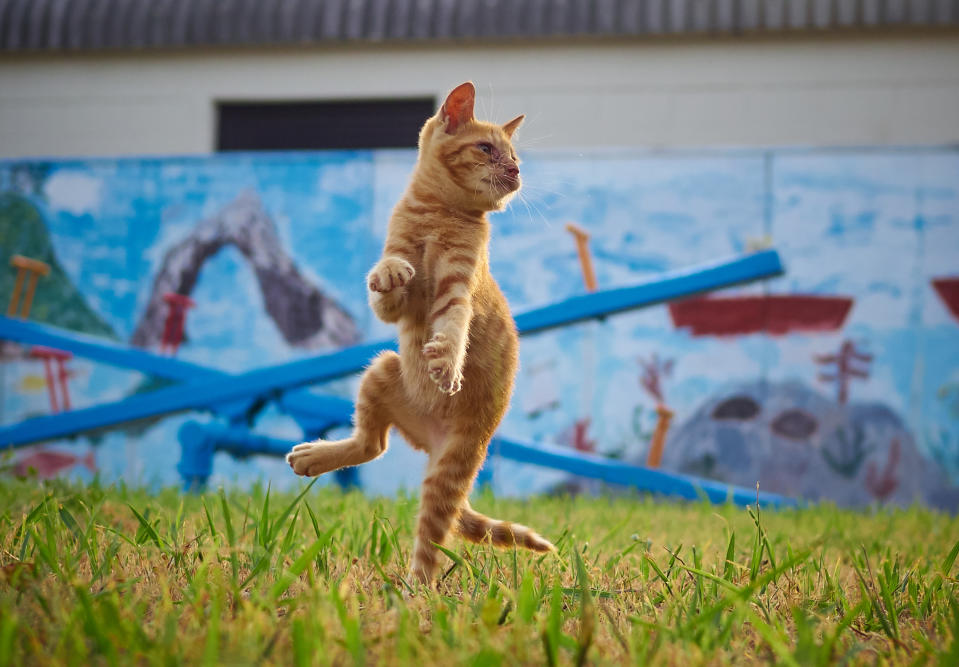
x,y
304,315
57,300
794,441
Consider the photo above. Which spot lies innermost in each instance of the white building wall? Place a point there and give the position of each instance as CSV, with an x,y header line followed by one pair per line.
x,y
787,91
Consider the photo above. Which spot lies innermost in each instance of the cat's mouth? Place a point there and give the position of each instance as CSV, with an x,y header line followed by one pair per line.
x,y
504,182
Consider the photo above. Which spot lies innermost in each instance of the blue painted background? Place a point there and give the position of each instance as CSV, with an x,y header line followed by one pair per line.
x,y
873,225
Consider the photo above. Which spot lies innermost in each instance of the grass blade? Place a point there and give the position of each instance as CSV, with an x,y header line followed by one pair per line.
x,y
301,647
149,530
209,520
211,649
476,574
949,560
729,566
230,536
263,525
587,614
8,633
296,569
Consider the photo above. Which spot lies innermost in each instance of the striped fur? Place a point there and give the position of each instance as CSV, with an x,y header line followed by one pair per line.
x,y
450,385
475,527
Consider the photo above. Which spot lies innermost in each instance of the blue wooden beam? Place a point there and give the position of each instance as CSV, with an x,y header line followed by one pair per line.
x,y
670,286
206,438
234,440
666,287
208,391
618,472
302,405
204,394
103,350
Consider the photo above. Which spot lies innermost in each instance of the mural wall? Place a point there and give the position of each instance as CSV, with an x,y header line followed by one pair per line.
x,y
839,380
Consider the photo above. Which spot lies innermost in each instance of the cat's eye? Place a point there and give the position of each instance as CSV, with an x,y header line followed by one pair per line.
x,y
486,148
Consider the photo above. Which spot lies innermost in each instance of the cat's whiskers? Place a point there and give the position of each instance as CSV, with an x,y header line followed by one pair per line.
x,y
527,202
536,189
521,197
527,142
492,102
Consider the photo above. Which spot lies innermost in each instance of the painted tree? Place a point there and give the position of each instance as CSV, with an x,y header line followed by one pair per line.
x,y
654,370
580,438
843,367
882,483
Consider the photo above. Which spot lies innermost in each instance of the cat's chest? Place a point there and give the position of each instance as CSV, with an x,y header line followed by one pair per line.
x,y
436,253
431,265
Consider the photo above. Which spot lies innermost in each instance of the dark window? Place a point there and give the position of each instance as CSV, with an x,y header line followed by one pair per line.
x,y
736,407
268,126
794,424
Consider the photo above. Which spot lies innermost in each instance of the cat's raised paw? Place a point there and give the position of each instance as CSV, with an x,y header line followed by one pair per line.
x,y
389,273
307,459
438,347
441,364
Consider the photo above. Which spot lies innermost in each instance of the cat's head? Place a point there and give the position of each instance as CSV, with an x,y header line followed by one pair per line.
x,y
468,163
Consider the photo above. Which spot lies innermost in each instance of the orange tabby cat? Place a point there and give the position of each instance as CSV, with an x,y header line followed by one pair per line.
x,y
449,386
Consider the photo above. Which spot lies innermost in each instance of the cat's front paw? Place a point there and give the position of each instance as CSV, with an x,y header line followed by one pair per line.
x,y
389,273
441,362
303,459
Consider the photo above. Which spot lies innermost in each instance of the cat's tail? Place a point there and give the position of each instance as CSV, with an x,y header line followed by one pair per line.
x,y
476,527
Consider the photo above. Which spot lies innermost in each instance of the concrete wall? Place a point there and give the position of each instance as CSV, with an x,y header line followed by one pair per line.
x,y
826,91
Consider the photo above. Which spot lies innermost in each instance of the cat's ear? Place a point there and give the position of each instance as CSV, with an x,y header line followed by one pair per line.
x,y
458,107
511,126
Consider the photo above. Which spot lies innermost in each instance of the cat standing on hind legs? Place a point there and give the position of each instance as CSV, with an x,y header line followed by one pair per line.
x,y
450,385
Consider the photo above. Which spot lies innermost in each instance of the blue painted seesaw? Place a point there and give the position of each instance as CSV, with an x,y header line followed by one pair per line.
x,y
238,398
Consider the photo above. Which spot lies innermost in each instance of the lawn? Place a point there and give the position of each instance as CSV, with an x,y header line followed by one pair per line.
x,y
110,575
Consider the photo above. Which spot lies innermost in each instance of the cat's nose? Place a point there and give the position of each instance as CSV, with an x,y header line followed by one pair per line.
x,y
512,171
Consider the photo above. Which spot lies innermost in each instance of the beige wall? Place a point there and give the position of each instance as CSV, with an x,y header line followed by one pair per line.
x,y
831,91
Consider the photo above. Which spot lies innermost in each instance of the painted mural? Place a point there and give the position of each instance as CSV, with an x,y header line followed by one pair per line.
x,y
838,381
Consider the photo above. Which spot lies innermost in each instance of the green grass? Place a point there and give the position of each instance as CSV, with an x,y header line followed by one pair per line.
x,y
119,576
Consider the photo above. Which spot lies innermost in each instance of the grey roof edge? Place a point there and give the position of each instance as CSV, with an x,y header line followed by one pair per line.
x,y
69,26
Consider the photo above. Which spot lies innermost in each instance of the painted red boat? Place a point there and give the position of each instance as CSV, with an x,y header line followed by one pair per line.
x,y
775,314
948,289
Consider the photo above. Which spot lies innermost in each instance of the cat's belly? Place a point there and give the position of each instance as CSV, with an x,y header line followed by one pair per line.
x,y
488,371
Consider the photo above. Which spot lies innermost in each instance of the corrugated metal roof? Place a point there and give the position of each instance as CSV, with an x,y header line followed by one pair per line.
x,y
45,25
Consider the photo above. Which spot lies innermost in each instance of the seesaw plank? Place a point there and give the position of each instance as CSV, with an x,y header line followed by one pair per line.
x,y
301,404
625,474
241,442
208,391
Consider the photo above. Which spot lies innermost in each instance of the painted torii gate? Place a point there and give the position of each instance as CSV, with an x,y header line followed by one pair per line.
x,y
238,397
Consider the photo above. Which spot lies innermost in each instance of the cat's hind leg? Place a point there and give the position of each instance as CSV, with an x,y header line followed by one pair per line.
x,y
381,392
449,478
